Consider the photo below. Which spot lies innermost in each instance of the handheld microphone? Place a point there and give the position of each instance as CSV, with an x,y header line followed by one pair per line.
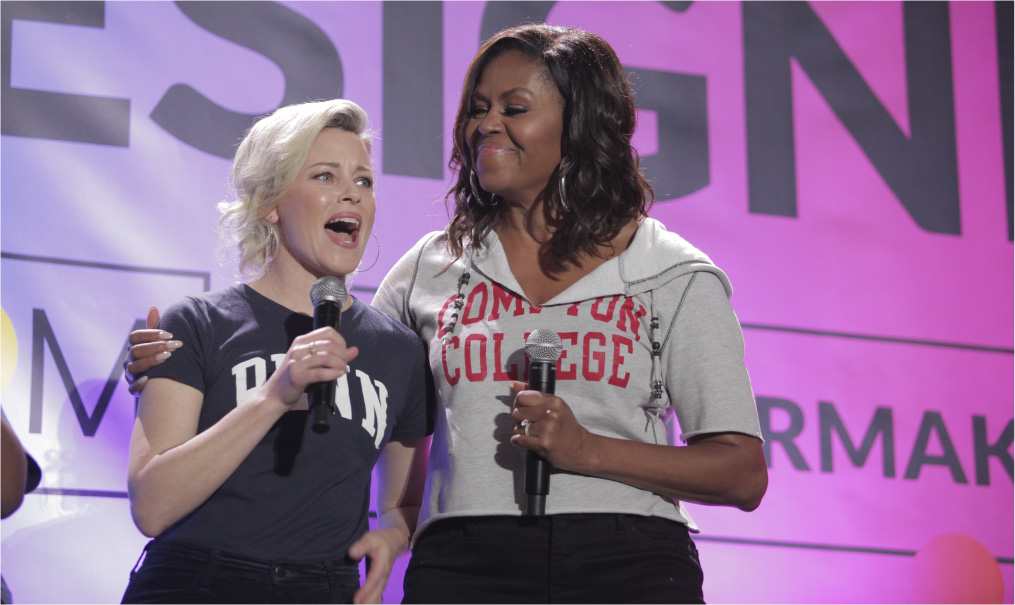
x,y
543,348
328,295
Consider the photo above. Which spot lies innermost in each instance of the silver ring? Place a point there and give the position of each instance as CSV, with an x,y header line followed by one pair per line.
x,y
525,424
313,351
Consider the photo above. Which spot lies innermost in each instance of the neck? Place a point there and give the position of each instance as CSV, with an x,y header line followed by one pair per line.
x,y
291,289
525,224
528,231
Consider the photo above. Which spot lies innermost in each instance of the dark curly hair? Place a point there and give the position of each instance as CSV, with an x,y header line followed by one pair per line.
x,y
603,186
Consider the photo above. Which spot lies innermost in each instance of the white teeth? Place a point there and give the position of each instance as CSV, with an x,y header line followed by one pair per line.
x,y
351,221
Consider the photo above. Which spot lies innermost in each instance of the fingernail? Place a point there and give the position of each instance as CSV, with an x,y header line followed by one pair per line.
x,y
174,344
136,386
165,335
163,355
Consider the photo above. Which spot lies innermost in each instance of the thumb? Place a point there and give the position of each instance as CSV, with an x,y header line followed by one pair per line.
x,y
359,549
356,552
153,318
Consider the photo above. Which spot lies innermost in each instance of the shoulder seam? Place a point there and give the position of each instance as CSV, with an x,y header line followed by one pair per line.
x,y
673,320
412,281
670,268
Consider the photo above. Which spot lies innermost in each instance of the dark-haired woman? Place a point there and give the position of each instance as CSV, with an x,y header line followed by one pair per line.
x,y
550,231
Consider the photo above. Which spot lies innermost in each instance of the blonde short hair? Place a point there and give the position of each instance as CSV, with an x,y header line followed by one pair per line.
x,y
266,166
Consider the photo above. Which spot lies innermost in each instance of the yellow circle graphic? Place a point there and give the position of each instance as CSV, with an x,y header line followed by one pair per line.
x,y
8,349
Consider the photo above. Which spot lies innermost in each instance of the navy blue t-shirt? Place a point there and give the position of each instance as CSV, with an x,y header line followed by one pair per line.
x,y
299,495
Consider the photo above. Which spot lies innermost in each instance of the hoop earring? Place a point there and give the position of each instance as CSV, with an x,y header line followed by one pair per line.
x,y
475,191
560,191
272,239
377,244
472,185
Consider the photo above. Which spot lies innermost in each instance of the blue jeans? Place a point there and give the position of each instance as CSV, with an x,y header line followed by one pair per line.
x,y
182,573
581,558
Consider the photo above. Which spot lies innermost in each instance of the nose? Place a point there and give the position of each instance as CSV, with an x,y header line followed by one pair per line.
x,y
489,123
350,192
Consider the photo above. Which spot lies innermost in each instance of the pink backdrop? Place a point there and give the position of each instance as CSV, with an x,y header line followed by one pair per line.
x,y
880,349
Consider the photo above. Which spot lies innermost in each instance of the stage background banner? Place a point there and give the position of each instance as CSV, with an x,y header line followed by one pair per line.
x,y
849,164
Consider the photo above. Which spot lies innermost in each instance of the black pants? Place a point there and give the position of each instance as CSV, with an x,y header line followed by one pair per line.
x,y
181,573
601,558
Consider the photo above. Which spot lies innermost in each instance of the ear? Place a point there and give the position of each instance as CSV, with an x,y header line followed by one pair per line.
x,y
272,216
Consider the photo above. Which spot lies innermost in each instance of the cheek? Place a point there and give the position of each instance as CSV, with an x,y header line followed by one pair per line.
x,y
470,133
543,139
556,134
548,146
369,217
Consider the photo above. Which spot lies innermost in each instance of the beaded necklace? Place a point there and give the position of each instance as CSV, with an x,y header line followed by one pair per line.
x,y
459,304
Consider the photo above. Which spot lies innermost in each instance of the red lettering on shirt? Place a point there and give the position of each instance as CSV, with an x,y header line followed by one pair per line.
x,y
498,365
618,360
607,315
473,341
452,379
468,317
598,356
627,313
504,298
571,371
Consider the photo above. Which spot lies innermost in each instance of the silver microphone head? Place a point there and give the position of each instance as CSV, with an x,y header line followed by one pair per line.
x,y
328,288
543,345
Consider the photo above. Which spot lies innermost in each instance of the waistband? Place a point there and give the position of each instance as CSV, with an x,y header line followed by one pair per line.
x,y
209,556
561,522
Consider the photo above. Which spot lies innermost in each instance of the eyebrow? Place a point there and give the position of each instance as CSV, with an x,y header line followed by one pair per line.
x,y
359,168
507,93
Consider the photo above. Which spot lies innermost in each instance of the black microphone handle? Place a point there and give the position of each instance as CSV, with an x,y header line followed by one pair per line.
x,y
542,378
322,394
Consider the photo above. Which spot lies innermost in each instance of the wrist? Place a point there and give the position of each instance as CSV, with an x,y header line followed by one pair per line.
x,y
267,402
590,453
396,521
397,538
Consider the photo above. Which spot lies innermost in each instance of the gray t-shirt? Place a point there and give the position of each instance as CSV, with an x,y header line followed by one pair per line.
x,y
299,495
606,373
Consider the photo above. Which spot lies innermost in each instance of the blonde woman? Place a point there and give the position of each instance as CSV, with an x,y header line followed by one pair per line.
x,y
244,501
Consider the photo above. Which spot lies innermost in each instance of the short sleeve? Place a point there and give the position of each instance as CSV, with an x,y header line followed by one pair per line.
x,y
418,413
706,378
187,322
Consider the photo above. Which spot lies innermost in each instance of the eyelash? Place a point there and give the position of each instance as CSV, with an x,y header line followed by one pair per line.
x,y
508,111
369,182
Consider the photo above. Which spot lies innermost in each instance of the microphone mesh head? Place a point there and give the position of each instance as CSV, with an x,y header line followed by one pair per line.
x,y
543,345
328,288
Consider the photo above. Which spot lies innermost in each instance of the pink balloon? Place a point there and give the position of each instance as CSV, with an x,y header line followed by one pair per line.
x,y
953,568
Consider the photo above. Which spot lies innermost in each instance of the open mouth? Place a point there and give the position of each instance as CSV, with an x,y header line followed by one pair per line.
x,y
346,229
